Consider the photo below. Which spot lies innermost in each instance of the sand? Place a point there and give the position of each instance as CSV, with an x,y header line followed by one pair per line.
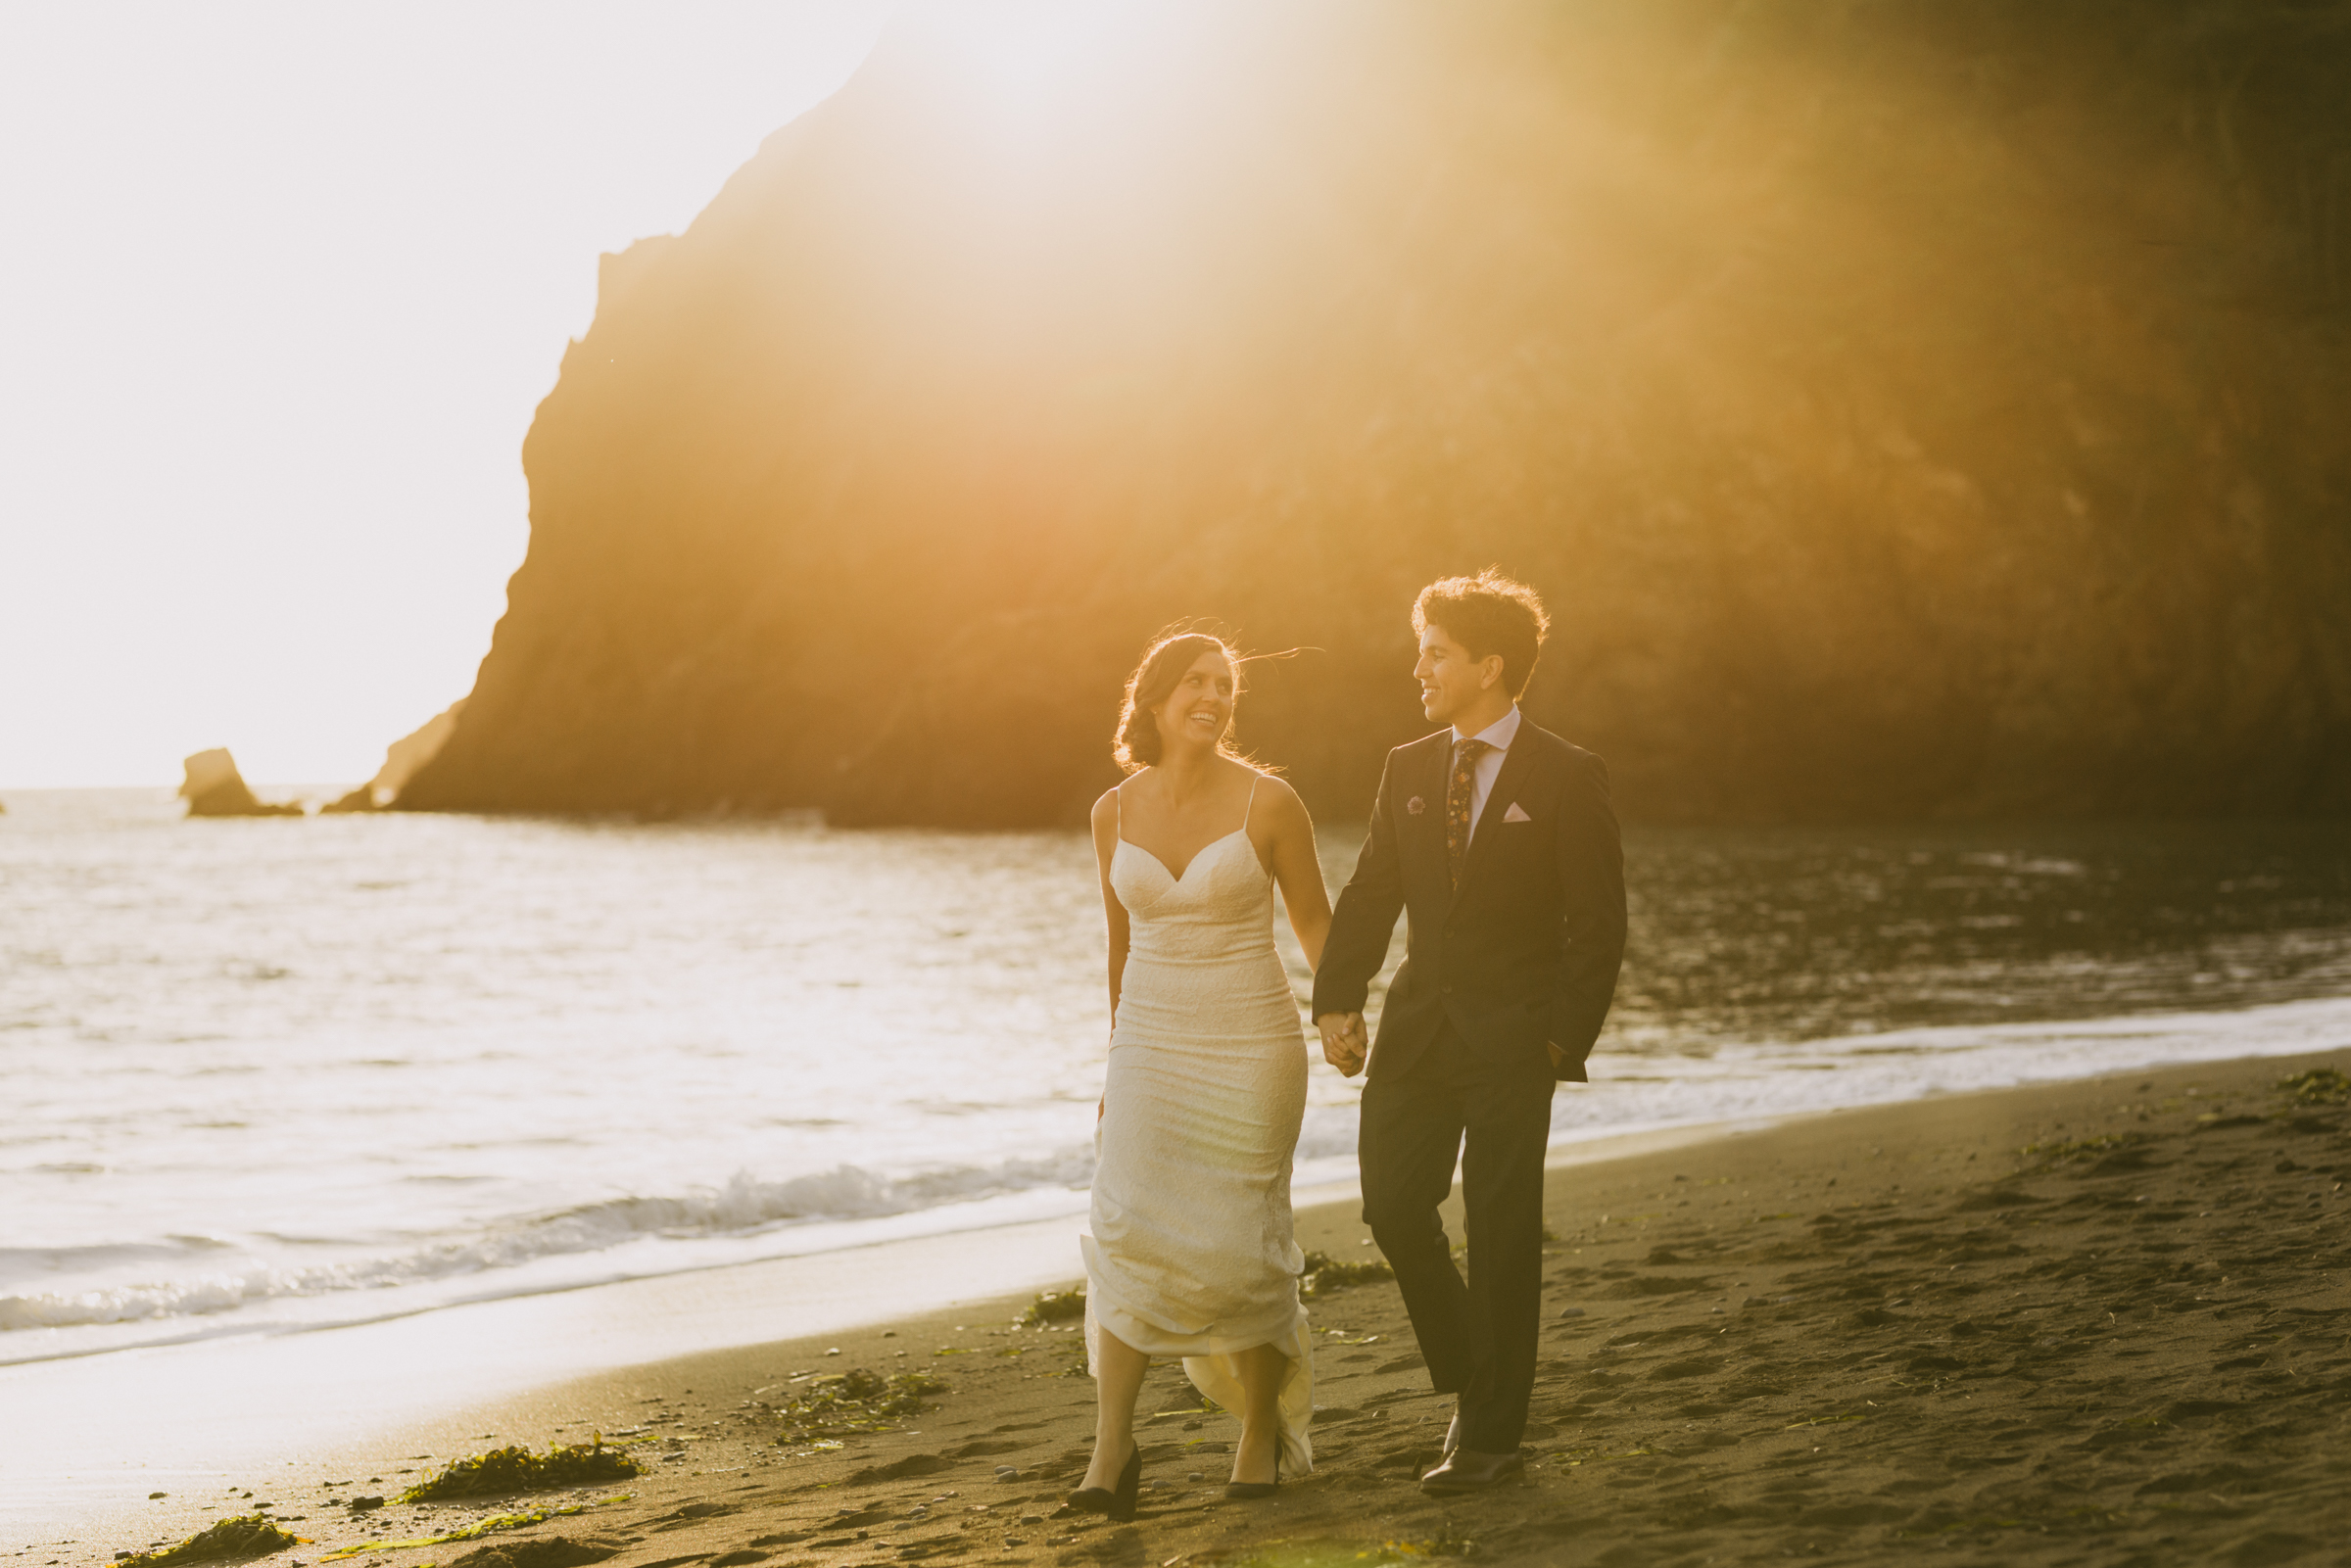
x,y
2100,1323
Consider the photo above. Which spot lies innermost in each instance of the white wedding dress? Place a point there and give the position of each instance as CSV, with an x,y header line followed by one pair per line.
x,y
1189,1250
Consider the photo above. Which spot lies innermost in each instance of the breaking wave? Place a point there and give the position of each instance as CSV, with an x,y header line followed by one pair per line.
x,y
183,1281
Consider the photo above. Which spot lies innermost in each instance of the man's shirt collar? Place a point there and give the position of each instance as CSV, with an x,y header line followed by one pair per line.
x,y
1499,734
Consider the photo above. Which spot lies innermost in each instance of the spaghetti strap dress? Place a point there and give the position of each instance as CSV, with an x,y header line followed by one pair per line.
x,y
1188,1250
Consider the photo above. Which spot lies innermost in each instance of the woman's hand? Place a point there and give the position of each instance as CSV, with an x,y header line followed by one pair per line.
x,y
1344,1045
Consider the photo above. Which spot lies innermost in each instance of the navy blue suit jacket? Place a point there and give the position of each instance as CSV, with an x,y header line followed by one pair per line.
x,y
1525,955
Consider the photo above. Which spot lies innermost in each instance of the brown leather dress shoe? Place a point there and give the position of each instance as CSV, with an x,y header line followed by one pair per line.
x,y
1468,1470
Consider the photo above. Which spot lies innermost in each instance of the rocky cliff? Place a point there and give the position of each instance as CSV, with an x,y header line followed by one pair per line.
x,y
402,760
1908,411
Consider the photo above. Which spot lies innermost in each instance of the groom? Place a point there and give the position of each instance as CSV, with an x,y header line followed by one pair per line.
x,y
1498,839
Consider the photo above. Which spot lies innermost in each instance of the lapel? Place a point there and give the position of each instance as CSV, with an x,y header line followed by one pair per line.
x,y
1515,764
1429,826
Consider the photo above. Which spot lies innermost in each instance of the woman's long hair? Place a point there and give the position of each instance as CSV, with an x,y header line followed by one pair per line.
x,y
1152,682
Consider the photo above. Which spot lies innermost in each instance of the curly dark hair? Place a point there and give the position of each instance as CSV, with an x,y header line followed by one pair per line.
x,y
1488,614
1171,653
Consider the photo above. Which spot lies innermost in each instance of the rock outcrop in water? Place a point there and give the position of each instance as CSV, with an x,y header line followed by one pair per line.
x,y
1908,411
213,787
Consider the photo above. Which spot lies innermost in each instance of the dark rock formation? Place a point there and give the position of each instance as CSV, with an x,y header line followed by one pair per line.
x,y
401,759
1908,411
213,787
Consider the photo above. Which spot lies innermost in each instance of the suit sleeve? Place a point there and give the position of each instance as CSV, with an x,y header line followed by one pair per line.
x,y
1365,917
1592,926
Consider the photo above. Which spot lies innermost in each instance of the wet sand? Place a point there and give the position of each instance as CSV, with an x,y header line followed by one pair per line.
x,y
2098,1322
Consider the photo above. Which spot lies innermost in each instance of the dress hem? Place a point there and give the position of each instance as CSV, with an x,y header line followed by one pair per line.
x,y
1212,1361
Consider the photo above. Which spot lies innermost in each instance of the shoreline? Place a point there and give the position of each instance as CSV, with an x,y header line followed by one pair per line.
x,y
612,1388
1750,1087
69,1462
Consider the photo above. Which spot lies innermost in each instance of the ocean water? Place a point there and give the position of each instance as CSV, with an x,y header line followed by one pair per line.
x,y
257,1076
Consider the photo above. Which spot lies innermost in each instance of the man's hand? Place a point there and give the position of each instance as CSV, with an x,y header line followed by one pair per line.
x,y
1345,1042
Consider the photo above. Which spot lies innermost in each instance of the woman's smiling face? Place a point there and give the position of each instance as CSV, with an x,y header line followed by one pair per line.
x,y
1198,710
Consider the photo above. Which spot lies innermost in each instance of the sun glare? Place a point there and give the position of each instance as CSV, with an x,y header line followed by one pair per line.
x,y
1018,49
310,270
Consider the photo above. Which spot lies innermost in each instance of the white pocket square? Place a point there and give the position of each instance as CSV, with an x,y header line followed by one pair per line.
x,y
1516,813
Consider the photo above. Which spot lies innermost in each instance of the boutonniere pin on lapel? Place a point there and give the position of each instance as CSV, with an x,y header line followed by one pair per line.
x,y
1416,805
1516,813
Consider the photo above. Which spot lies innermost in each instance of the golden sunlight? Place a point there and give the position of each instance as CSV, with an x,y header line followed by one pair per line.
x,y
1215,782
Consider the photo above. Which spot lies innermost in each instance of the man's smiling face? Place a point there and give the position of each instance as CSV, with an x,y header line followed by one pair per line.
x,y
1452,682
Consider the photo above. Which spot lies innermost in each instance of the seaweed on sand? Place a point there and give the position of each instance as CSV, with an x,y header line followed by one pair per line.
x,y
249,1535
1055,1307
517,1469
1325,1273
2062,1151
2318,1087
855,1400
482,1527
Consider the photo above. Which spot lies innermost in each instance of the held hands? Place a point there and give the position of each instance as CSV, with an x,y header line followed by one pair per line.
x,y
1345,1042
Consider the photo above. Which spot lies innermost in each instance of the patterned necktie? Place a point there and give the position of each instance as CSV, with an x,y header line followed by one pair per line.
x,y
1456,804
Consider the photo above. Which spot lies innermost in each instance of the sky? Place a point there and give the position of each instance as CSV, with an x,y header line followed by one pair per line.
x,y
280,287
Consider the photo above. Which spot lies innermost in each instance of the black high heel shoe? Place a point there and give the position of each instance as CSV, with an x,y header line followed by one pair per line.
x,y
1119,1504
1247,1491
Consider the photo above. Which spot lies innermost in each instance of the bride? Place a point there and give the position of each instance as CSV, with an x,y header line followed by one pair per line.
x,y
1190,1251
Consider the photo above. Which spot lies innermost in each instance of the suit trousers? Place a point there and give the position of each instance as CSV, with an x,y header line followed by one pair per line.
x,y
1477,1335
